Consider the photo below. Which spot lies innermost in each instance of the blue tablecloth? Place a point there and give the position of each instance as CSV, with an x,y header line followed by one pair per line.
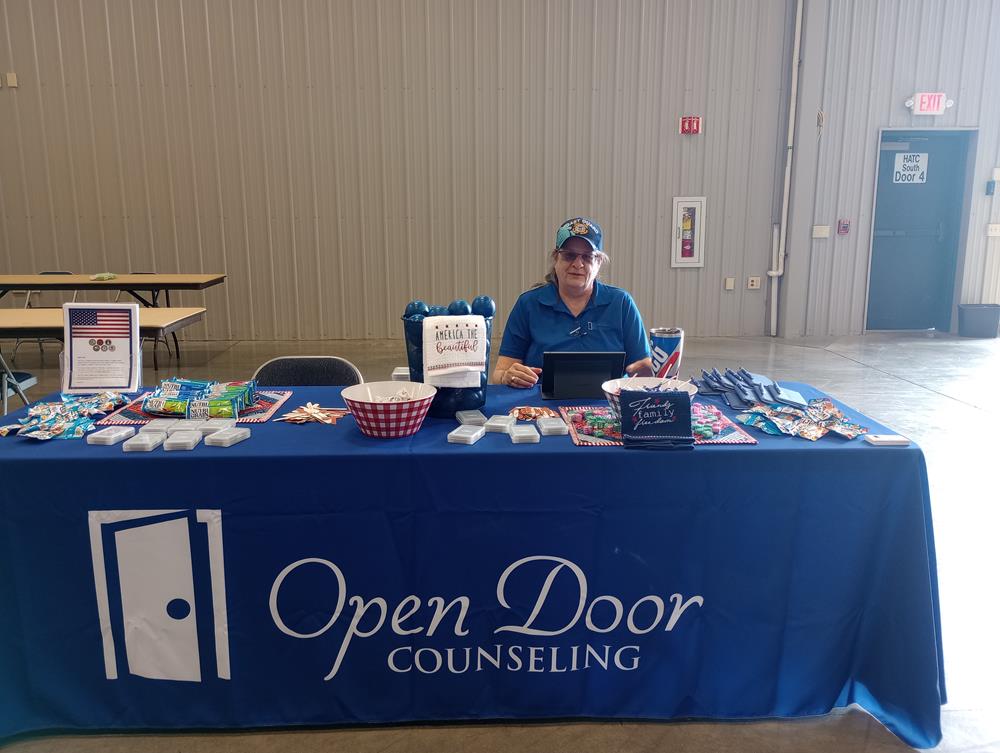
x,y
313,576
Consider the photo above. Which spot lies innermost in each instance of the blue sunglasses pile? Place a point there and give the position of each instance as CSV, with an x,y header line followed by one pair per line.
x,y
740,389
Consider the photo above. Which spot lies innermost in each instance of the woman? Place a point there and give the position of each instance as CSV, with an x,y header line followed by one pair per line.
x,y
571,311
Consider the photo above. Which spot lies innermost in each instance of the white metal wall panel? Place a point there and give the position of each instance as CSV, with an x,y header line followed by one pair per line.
x,y
861,62
336,159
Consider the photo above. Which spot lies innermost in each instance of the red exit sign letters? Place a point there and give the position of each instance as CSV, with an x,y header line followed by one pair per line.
x,y
929,103
690,124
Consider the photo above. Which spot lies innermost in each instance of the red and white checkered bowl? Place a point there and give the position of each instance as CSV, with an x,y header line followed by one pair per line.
x,y
381,418
613,386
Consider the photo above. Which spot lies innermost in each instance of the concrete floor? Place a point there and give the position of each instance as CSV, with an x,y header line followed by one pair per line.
x,y
937,389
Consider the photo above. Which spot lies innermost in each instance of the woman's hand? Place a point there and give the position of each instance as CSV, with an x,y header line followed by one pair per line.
x,y
519,375
641,368
513,373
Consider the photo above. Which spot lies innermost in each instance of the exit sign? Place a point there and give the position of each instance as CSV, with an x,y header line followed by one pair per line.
x,y
690,124
929,103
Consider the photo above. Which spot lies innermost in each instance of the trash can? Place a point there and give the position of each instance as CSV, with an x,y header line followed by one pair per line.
x,y
978,319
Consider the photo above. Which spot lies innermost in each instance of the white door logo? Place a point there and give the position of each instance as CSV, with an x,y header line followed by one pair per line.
x,y
156,577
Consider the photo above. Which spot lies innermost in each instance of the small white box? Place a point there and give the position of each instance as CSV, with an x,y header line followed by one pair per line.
x,y
467,434
401,374
182,440
887,440
159,424
227,437
472,417
213,425
524,434
821,231
111,435
144,441
551,426
501,423
186,424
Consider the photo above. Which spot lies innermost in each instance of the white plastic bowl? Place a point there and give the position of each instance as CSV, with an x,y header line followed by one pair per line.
x,y
377,417
612,386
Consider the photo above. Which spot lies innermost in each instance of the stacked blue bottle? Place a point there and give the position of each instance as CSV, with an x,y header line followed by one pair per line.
x,y
448,399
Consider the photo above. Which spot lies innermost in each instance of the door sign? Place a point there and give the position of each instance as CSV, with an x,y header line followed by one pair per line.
x,y
151,553
911,167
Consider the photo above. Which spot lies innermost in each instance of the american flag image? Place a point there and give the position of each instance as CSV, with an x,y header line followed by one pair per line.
x,y
89,323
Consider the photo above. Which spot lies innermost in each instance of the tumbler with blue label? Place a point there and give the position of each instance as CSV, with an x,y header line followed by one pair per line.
x,y
666,345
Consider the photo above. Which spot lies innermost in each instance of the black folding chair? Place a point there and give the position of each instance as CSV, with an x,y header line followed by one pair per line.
x,y
308,371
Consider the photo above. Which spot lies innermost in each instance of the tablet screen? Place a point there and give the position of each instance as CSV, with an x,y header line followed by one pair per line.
x,y
572,375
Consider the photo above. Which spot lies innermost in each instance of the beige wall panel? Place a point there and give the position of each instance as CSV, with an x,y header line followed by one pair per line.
x,y
336,159
255,191
13,230
105,147
347,144
74,128
862,61
226,198
124,131
27,202
326,107
154,75
203,145
314,17
58,235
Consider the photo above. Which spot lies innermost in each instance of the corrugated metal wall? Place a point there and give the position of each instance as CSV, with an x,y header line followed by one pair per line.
x,y
861,61
337,159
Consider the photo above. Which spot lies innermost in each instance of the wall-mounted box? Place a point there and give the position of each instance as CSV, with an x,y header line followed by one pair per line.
x,y
689,232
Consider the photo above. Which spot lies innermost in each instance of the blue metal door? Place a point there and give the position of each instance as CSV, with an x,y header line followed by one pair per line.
x,y
918,222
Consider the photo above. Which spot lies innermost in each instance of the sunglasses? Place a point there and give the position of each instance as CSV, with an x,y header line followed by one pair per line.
x,y
570,257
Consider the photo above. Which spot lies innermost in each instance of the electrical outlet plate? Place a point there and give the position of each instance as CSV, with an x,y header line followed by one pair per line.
x,y
753,283
993,231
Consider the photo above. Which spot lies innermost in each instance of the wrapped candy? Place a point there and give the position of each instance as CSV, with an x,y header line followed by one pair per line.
x,y
69,419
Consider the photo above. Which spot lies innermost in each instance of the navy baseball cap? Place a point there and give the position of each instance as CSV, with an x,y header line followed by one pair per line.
x,y
580,227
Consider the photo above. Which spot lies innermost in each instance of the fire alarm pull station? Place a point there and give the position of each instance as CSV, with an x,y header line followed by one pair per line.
x,y
843,227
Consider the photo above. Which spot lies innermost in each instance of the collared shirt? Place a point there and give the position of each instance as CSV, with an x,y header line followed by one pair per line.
x,y
541,322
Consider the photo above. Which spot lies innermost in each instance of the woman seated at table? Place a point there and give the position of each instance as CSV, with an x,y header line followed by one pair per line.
x,y
571,310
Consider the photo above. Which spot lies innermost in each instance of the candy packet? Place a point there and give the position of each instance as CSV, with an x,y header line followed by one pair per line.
x,y
217,407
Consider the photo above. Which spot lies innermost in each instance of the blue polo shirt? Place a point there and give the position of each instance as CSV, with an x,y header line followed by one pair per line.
x,y
540,321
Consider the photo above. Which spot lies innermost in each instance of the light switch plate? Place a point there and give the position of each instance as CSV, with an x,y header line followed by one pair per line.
x,y
730,283
821,231
993,231
11,80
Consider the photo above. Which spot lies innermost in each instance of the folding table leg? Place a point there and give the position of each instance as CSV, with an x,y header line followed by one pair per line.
x,y
177,346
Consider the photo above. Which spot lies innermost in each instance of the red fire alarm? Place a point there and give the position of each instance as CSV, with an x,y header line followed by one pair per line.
x,y
843,227
690,124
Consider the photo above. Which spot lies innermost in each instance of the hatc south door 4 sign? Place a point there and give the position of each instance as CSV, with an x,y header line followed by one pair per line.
x,y
910,167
